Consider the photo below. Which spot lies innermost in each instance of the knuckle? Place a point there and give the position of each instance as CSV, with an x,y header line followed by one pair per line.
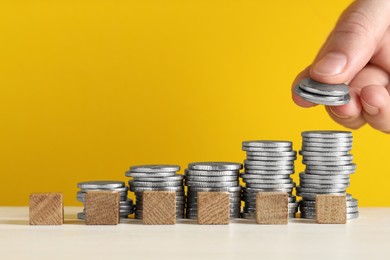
x,y
355,23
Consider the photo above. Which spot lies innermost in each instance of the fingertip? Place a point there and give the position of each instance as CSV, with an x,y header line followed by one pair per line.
x,y
376,107
375,99
350,110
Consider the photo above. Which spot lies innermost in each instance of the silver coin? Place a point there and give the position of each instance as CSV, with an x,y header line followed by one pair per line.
x,y
121,189
327,163
276,181
267,144
141,189
264,158
149,174
269,172
269,168
345,158
100,184
323,154
327,134
315,97
228,189
322,100
155,184
324,182
215,166
270,186
82,195
351,167
152,168
248,176
337,173
316,87
291,153
319,190
286,190
326,149
179,192
126,202
212,184
269,163
326,145
328,140
211,179
266,150
176,177
211,173
333,177
324,186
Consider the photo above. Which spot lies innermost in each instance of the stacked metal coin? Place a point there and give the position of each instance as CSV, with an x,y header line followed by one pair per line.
x,y
320,93
213,177
268,167
156,178
126,206
328,161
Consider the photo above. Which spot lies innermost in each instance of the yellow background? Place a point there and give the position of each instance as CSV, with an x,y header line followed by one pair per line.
x,y
88,88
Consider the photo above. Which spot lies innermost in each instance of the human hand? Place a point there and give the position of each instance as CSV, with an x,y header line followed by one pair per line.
x,y
357,52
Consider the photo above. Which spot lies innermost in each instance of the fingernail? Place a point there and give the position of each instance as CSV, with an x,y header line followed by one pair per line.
x,y
331,64
337,114
371,110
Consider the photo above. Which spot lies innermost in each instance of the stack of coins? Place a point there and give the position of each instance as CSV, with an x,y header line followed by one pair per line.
x,y
213,177
268,167
126,206
156,178
320,93
328,161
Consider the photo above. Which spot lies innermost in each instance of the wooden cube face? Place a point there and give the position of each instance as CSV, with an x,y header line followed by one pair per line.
x,y
331,209
272,208
159,208
102,208
213,208
46,209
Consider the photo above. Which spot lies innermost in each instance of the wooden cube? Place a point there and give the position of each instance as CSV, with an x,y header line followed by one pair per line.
x,y
331,209
102,208
272,208
46,209
213,208
159,208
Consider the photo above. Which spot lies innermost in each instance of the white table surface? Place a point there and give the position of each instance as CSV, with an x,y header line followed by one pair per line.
x,y
365,238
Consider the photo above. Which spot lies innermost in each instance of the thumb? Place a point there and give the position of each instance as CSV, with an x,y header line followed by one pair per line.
x,y
353,41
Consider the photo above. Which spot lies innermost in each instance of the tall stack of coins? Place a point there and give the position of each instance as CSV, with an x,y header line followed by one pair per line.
x,y
213,177
328,161
156,178
126,205
268,167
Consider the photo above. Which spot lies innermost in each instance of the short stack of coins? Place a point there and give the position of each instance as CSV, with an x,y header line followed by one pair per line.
x,y
126,206
213,177
328,161
321,93
156,178
268,167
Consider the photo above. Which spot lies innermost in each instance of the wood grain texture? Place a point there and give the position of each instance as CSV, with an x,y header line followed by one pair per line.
x,y
102,208
159,208
272,208
213,208
46,209
331,209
